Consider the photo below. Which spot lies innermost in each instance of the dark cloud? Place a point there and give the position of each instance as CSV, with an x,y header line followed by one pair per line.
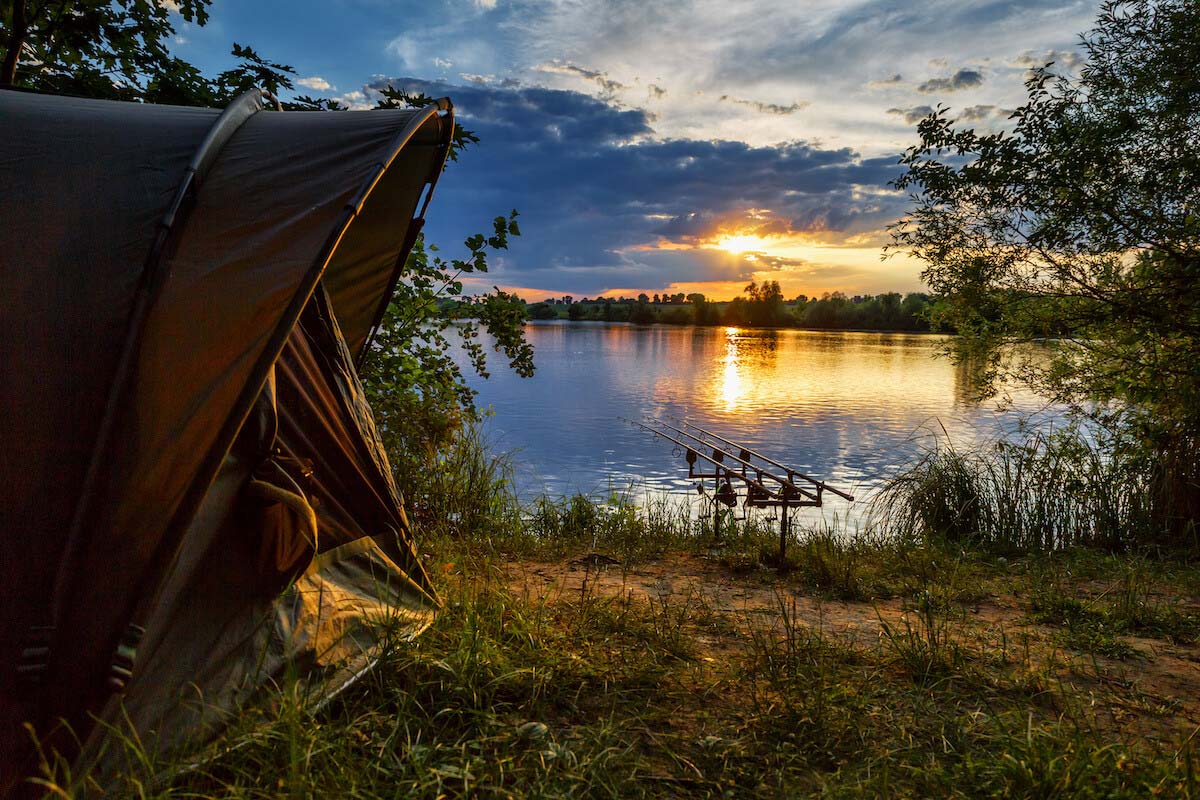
x,y
593,187
607,85
884,83
912,115
766,108
1032,59
976,113
965,78
657,91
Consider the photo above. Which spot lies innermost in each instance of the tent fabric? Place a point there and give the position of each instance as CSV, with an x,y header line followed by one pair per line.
x,y
239,260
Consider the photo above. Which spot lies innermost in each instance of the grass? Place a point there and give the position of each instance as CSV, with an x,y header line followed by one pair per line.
x,y
927,665
1100,614
1049,492
520,690
516,693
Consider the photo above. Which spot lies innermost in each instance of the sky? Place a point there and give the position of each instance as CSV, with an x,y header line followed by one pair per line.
x,y
670,146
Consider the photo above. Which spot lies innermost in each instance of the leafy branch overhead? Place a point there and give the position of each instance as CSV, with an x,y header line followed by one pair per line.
x,y
118,50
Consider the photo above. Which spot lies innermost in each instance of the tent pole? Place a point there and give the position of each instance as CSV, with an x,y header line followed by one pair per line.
x,y
414,230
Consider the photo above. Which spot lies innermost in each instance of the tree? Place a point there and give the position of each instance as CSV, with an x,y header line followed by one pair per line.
x,y
416,388
641,313
1081,226
98,48
542,311
764,306
117,50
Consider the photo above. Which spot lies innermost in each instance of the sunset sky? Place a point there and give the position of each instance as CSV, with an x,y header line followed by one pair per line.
x,y
672,145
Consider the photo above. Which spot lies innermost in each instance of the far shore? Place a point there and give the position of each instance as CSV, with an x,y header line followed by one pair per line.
x,y
806,329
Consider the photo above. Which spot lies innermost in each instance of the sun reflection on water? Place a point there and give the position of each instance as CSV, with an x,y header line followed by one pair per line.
x,y
847,407
732,386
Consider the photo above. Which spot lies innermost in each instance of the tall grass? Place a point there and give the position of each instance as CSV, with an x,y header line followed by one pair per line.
x,y
464,488
463,496
1048,492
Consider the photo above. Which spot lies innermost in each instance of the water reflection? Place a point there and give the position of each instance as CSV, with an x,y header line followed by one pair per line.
x,y
748,363
731,383
848,407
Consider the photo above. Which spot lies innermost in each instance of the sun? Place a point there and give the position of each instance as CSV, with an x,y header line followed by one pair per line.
x,y
741,243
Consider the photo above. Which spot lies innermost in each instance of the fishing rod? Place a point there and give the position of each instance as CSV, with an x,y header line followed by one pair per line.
x,y
773,462
745,464
788,496
723,470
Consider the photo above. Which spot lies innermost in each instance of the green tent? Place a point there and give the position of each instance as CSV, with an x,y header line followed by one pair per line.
x,y
194,494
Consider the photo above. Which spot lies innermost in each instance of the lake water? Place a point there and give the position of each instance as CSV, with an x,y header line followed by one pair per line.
x,y
848,408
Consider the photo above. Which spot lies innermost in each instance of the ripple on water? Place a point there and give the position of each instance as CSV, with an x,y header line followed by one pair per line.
x,y
846,407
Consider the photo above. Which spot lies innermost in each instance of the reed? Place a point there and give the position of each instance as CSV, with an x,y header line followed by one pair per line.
x,y
1049,492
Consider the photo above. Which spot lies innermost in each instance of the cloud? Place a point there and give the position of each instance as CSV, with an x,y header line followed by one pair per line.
x,y
1032,59
912,115
656,91
356,100
404,48
964,78
486,5
607,85
316,83
885,83
766,108
443,63
605,204
489,80
975,113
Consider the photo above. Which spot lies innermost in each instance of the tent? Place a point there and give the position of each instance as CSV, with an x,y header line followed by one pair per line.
x,y
194,494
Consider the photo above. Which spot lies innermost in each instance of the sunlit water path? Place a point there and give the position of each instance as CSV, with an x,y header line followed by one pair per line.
x,y
847,407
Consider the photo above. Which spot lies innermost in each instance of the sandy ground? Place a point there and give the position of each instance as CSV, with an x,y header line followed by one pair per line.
x,y
1153,694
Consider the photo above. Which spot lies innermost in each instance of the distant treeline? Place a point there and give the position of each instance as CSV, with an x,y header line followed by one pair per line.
x,y
763,307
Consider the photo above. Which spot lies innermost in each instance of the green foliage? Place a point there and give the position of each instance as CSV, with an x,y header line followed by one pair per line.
x,y
396,98
95,48
1081,225
542,311
641,312
764,303
414,384
886,312
118,51
764,307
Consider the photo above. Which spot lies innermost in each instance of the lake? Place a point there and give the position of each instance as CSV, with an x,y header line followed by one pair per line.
x,y
848,408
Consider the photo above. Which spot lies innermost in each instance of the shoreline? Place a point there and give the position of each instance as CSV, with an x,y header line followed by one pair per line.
x,y
739,327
